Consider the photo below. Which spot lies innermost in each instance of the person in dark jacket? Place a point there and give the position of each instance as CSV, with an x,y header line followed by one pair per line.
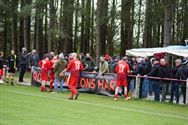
x,y
175,84
22,64
155,73
164,72
88,63
142,69
182,74
33,59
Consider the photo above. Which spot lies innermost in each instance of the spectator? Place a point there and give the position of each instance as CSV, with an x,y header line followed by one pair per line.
x,y
59,66
33,59
182,74
103,66
22,64
175,84
155,73
164,72
89,63
142,69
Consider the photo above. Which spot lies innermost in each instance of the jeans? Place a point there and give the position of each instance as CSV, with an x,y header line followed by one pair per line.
x,y
132,85
57,81
164,85
174,91
150,87
156,89
145,88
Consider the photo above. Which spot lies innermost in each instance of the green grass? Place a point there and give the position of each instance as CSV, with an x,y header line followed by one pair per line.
x,y
24,105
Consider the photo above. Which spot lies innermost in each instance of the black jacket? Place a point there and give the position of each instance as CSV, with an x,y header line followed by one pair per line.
x,y
154,71
182,72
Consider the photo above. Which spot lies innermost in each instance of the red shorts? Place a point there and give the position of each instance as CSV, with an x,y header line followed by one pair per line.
x,y
44,75
1,72
120,83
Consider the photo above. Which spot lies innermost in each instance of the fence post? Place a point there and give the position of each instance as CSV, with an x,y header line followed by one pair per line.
x,y
186,100
137,87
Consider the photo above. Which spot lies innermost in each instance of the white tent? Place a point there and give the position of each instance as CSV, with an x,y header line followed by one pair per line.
x,y
175,50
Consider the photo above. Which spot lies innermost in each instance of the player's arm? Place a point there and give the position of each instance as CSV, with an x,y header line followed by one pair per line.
x,y
66,69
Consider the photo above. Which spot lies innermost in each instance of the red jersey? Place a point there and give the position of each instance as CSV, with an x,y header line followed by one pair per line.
x,y
75,65
44,64
53,61
122,68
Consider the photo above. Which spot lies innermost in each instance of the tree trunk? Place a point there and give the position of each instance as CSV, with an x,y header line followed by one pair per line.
x,y
111,29
168,8
76,26
67,25
126,30
139,24
45,43
147,27
51,26
101,28
87,26
82,42
92,29
21,33
39,29
185,28
14,25
27,26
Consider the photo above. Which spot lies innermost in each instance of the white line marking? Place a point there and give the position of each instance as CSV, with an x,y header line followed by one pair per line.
x,y
101,105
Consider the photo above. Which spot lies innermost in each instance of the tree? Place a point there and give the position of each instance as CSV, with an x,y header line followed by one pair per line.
x,y
126,32
39,26
147,27
14,25
185,21
67,26
52,26
168,9
101,27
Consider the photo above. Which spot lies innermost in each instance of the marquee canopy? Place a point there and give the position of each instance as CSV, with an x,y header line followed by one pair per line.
x,y
143,52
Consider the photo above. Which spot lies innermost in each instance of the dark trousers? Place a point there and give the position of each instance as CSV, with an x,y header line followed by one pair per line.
x,y
183,89
22,69
174,91
156,89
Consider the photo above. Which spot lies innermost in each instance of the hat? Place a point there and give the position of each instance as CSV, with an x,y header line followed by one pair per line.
x,y
185,62
107,57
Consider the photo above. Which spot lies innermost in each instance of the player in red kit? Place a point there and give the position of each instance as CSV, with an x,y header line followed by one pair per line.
x,y
74,66
52,62
45,66
122,70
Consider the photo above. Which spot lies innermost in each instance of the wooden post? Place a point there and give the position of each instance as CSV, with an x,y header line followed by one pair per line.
x,y
137,87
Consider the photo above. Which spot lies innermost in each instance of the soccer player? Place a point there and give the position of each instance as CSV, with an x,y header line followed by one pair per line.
x,y
45,66
52,61
122,70
1,65
74,66
12,66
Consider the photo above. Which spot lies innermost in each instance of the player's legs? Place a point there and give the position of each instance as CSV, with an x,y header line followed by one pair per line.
x,y
118,84
124,84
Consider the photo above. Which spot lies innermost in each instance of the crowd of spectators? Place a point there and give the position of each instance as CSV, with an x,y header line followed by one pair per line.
x,y
143,66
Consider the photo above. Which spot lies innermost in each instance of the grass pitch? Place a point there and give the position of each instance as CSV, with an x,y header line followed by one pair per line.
x,y
26,105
